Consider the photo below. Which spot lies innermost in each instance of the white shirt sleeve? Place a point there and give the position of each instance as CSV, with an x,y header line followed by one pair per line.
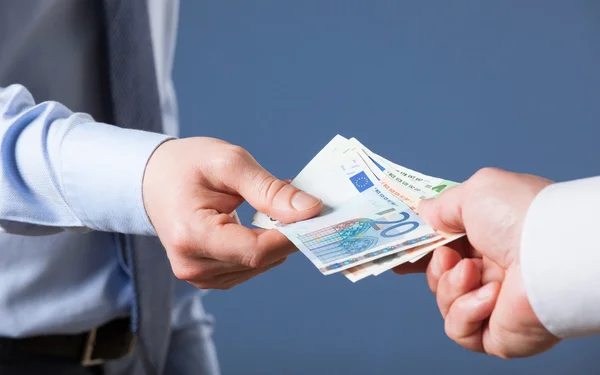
x,y
560,257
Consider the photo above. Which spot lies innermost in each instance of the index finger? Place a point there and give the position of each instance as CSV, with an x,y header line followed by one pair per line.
x,y
220,237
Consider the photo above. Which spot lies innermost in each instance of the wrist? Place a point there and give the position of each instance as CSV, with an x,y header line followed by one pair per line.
x,y
153,178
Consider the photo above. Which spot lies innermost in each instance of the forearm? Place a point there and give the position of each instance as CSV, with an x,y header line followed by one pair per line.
x,y
62,170
560,258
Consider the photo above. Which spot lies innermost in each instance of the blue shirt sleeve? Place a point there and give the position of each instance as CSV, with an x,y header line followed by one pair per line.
x,y
61,170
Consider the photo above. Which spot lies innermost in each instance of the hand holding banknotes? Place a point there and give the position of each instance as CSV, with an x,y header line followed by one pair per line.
x,y
477,279
207,180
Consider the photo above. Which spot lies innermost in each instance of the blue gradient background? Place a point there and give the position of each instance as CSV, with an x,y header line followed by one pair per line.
x,y
444,87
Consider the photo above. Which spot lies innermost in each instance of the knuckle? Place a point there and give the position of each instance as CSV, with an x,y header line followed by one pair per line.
x,y
486,175
238,151
195,273
270,188
247,260
178,237
455,332
228,157
500,343
443,284
236,154
184,273
450,330
500,349
254,259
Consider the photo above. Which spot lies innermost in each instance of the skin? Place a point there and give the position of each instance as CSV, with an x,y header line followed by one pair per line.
x,y
191,185
477,279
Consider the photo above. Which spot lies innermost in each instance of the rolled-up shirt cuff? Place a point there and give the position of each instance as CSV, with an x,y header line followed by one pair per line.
x,y
102,172
560,257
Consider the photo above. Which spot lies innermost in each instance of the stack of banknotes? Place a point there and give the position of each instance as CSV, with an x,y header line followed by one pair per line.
x,y
369,223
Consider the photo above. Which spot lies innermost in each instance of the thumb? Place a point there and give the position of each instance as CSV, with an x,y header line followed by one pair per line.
x,y
277,198
444,213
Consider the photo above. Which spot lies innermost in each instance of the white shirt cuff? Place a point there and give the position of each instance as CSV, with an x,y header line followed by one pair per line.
x,y
560,257
102,172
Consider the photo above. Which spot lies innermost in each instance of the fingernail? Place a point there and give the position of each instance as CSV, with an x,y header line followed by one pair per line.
x,y
485,292
302,201
456,273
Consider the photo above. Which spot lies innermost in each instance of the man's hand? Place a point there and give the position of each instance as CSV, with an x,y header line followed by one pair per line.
x,y
477,279
192,185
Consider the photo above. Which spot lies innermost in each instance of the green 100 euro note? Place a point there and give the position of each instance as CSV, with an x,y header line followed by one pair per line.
x,y
369,221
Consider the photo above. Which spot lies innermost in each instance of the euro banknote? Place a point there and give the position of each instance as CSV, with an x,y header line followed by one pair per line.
x,y
369,223
411,187
360,230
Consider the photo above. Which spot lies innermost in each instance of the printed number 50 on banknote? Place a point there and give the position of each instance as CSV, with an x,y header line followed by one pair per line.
x,y
361,229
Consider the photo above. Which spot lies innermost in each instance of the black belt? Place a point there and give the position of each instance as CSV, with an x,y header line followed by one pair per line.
x,y
112,340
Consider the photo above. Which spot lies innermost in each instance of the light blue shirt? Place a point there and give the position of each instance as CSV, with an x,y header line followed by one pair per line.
x,y
66,183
